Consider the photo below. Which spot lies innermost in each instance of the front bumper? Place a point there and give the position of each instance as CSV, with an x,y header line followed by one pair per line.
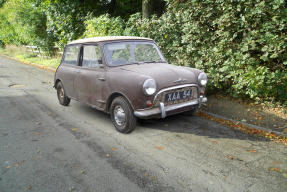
x,y
162,110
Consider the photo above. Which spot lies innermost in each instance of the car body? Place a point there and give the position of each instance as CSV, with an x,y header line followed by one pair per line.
x,y
127,77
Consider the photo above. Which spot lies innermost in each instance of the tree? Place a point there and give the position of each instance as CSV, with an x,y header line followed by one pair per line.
x,y
2,3
147,8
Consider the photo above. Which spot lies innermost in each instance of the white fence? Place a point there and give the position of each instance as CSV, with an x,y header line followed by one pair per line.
x,y
37,50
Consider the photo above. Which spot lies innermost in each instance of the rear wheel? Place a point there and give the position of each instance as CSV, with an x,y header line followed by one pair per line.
x,y
62,97
122,115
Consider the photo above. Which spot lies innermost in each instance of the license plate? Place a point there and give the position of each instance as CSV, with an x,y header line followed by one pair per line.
x,y
178,95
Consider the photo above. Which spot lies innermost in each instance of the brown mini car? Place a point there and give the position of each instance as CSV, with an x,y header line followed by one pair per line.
x,y
129,78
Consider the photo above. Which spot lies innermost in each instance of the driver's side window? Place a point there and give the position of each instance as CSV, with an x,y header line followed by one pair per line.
x,y
92,56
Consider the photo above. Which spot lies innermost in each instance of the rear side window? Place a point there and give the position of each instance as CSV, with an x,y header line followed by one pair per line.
x,y
92,56
71,55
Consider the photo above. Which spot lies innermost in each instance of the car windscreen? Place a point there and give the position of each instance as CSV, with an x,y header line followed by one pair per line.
x,y
132,52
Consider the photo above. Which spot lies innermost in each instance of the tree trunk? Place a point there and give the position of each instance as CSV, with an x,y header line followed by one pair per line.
x,y
147,8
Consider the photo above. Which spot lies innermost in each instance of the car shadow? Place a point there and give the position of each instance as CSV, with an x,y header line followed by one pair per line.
x,y
180,123
187,124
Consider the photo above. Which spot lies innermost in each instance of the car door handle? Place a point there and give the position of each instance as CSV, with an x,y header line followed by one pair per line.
x,y
101,78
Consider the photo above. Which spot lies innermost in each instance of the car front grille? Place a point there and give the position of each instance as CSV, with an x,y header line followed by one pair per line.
x,y
160,97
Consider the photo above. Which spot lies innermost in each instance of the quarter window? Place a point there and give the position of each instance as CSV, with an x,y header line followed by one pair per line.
x,y
91,56
71,55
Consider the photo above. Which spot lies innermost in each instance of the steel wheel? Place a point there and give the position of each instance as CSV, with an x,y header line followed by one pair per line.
x,y
122,115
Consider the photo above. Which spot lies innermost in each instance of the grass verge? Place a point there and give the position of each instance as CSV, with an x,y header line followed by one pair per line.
x,y
21,53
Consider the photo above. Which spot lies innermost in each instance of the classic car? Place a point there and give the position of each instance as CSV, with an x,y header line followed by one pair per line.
x,y
127,77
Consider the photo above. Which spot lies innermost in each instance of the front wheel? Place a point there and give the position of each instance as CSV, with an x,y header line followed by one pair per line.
x,y
122,115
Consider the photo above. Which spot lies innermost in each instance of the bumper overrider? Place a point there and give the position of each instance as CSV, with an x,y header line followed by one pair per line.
x,y
162,109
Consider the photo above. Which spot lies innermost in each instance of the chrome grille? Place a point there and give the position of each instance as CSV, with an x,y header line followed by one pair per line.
x,y
161,95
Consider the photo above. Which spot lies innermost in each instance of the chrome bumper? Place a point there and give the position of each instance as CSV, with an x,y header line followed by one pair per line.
x,y
163,109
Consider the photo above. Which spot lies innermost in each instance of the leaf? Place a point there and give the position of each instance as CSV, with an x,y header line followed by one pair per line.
x,y
159,147
29,187
244,48
274,55
275,162
74,129
8,167
215,142
19,163
113,148
215,49
274,169
252,151
230,157
107,155
36,133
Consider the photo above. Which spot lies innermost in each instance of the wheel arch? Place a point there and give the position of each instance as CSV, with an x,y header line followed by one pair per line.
x,y
56,82
115,95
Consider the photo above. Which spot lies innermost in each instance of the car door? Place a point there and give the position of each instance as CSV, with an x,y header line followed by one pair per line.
x,y
91,78
69,69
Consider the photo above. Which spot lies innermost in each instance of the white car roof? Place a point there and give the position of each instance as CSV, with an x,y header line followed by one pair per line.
x,y
107,38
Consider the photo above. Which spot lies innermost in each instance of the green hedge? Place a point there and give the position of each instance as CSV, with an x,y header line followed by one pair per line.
x,y
240,44
104,25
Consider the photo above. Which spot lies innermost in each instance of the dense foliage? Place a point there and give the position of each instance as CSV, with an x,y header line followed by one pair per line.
x,y
104,25
49,23
240,44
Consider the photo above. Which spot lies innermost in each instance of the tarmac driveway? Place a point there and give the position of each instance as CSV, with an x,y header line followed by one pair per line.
x,y
48,147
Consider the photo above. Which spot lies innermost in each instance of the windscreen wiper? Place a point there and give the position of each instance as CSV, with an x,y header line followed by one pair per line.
x,y
143,62
155,62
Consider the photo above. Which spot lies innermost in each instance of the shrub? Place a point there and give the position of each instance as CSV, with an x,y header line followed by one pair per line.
x,y
104,25
2,44
8,34
240,44
64,21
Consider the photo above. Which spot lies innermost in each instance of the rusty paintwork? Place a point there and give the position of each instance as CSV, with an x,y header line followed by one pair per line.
x,y
98,86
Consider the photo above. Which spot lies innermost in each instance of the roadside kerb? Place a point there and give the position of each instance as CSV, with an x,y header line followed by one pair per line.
x,y
246,124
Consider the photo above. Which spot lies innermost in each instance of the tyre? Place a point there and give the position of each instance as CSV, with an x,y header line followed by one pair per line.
x,y
122,115
62,97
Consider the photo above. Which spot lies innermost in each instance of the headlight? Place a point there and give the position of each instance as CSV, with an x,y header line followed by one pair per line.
x,y
202,79
149,87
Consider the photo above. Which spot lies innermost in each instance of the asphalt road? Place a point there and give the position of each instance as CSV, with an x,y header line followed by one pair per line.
x,y
48,147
